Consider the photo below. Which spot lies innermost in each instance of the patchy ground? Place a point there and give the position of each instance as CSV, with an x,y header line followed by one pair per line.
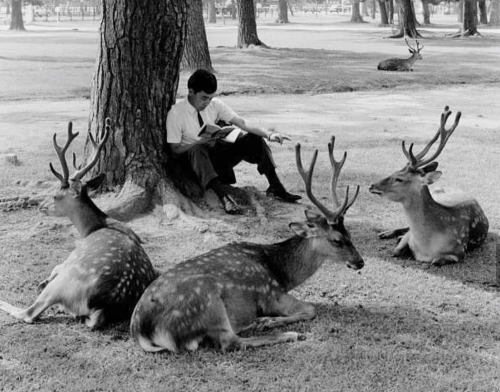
x,y
397,325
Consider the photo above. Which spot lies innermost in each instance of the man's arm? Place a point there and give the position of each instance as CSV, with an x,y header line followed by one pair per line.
x,y
268,134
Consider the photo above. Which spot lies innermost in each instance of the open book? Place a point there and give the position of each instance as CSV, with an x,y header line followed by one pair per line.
x,y
228,133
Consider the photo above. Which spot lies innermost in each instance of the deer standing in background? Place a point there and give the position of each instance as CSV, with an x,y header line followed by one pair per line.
x,y
244,286
442,225
104,277
397,64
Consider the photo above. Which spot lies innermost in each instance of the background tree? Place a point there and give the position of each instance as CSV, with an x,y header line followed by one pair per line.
x,y
212,11
196,53
282,12
469,18
483,12
16,21
426,13
495,13
247,27
356,12
135,83
384,18
407,20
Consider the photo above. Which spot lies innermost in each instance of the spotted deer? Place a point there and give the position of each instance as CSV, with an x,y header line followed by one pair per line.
x,y
397,64
442,225
104,277
244,286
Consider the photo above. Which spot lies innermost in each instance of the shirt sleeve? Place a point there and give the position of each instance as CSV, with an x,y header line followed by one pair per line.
x,y
174,126
224,112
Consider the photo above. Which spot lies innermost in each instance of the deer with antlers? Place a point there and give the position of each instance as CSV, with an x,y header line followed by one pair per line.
x,y
397,64
104,277
244,286
442,226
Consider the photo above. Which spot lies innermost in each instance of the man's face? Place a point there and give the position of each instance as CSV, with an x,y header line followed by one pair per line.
x,y
200,100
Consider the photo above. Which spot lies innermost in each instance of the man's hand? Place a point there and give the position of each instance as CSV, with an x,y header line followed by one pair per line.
x,y
278,137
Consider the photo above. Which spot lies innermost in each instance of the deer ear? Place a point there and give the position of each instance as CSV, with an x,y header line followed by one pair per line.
x,y
431,177
95,182
430,167
303,229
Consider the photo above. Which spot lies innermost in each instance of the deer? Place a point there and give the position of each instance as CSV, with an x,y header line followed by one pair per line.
x,y
243,286
443,225
397,64
107,272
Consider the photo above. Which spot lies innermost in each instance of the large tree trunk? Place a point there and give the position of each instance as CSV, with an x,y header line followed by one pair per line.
x,y
247,27
483,13
407,21
16,21
384,19
470,18
135,82
196,54
426,12
282,12
356,13
495,13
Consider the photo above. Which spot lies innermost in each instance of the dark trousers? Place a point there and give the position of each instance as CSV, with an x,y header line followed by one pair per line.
x,y
217,158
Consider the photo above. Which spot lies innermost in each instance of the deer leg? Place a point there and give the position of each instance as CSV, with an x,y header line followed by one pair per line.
x,y
95,319
289,310
45,282
31,314
222,334
446,259
393,233
403,247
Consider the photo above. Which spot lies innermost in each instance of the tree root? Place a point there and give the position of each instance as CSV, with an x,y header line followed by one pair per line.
x,y
465,33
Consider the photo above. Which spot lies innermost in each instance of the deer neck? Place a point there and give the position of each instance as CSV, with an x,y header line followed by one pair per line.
x,y
420,209
87,218
411,60
293,261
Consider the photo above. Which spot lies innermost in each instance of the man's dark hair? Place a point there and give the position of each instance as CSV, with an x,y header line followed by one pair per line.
x,y
203,80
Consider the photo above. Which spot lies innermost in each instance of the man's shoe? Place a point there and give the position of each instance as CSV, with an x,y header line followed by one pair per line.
x,y
283,195
230,206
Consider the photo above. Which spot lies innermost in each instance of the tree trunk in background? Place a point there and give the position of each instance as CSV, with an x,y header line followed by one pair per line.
x,y
374,9
16,21
282,12
135,83
384,19
495,13
470,18
196,54
407,21
212,15
356,12
426,12
483,13
247,27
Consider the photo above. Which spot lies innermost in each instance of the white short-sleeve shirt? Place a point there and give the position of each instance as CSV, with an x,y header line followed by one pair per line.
x,y
182,120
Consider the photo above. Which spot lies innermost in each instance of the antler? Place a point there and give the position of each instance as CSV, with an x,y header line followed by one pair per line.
x,y
80,173
416,161
307,177
419,48
61,152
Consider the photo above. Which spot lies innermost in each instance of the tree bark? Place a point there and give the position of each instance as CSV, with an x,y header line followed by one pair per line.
x,y
212,15
495,13
470,18
16,21
407,21
426,12
356,12
384,19
247,27
282,12
483,13
135,83
196,54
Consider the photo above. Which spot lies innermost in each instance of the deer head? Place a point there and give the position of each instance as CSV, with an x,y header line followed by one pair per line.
x,y
72,195
413,51
330,224
420,170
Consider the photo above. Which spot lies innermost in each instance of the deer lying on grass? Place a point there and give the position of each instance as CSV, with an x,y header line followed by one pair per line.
x,y
397,64
104,277
243,286
442,226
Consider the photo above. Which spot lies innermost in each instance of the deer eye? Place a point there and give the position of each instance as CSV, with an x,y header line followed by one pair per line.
x,y
338,243
398,180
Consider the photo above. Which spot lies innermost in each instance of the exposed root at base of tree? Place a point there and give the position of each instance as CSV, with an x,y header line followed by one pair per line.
x,y
465,33
401,34
259,44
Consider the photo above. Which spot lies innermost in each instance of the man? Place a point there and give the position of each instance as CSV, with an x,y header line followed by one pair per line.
x,y
213,159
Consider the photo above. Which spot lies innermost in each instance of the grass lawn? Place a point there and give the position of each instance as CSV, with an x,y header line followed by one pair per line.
x,y
397,325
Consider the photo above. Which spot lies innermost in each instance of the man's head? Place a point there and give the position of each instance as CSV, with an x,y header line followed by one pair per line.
x,y
202,86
